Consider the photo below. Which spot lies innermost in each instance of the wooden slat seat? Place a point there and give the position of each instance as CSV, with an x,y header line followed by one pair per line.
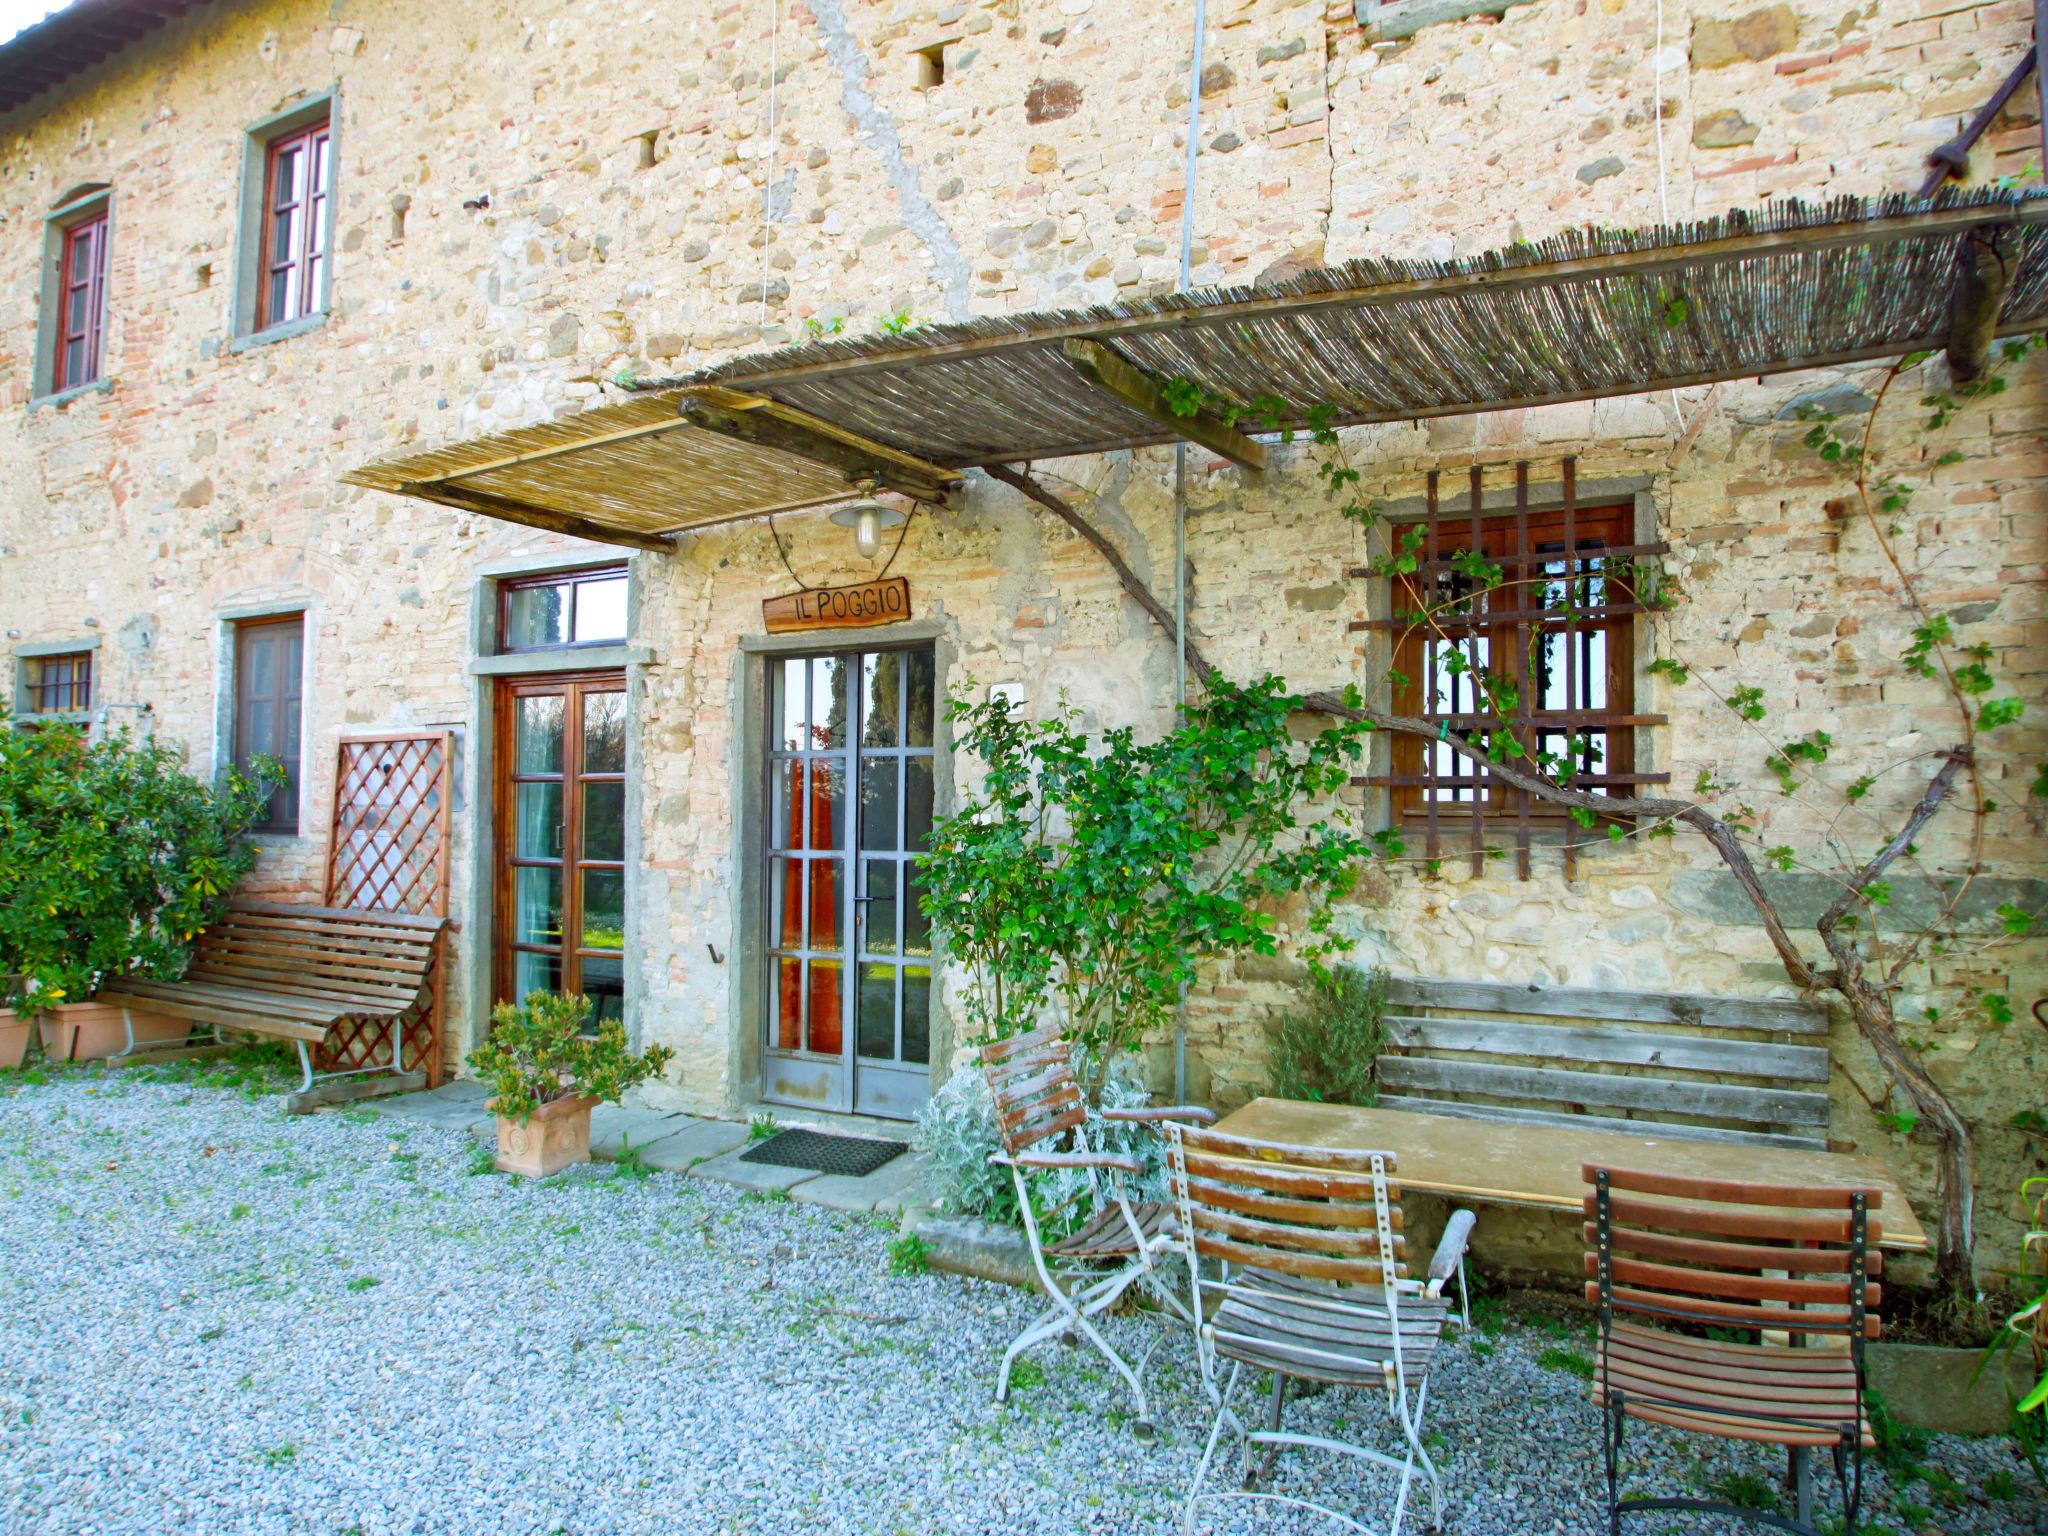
x,y
1302,1327
1106,1235
1752,1071
1735,1391
295,973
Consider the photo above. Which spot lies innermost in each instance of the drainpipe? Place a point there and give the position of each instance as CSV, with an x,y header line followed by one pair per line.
x,y
1180,501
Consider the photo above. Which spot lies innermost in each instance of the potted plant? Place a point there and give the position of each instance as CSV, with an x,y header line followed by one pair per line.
x,y
112,859
546,1075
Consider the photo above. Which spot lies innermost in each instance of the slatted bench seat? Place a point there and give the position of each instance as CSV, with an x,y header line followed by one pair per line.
x,y
294,973
1743,1070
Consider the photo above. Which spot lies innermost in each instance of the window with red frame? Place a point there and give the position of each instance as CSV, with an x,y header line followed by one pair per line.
x,y
296,177
82,303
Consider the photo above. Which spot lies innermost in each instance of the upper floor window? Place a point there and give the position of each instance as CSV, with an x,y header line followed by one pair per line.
x,y
298,166
59,684
562,608
82,301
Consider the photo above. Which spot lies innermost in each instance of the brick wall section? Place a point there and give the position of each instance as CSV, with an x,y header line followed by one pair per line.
x,y
627,158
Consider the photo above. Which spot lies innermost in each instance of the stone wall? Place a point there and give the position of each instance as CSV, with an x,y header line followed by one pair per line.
x,y
532,203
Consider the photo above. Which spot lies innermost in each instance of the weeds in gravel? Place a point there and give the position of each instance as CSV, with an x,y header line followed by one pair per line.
x,y
1748,1489
631,1164
483,1159
910,1255
364,1283
1555,1357
1025,1375
1900,1447
277,1455
766,1197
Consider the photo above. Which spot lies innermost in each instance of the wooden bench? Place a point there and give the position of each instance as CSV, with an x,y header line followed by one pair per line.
x,y
1742,1070
294,973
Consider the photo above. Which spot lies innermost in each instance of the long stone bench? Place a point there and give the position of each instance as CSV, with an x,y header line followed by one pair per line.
x,y
1704,1068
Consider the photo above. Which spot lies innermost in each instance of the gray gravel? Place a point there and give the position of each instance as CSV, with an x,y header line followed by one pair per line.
x,y
215,1319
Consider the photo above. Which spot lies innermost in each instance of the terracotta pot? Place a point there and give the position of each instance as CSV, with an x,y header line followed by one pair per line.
x,y
14,1032
556,1136
93,1031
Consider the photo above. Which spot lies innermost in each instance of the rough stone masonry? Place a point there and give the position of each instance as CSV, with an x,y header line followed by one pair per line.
x,y
534,201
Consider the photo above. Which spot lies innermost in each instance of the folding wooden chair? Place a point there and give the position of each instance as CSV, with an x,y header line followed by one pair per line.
x,y
1314,1286
1118,1243
1761,1258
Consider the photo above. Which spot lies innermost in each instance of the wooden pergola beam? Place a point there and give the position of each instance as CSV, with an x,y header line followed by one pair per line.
x,y
509,510
1985,264
1111,372
766,423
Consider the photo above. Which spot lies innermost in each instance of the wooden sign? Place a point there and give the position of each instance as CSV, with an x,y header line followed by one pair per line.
x,y
856,607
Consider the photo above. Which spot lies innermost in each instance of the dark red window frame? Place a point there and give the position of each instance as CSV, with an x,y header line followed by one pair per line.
x,y
297,172
81,303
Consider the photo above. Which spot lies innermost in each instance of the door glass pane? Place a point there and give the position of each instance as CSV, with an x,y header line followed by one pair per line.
x,y
828,703
881,698
878,803
920,676
601,610
788,1033
917,803
823,876
536,906
604,820
917,928
879,923
604,909
827,806
826,1033
785,807
537,731
875,1035
786,903
537,831
917,1013
790,697
604,733
604,983
536,616
535,973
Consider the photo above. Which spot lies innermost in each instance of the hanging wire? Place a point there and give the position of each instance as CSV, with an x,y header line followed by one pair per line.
x,y
902,533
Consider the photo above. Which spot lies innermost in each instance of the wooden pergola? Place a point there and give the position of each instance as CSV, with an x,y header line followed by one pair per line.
x,y
1587,314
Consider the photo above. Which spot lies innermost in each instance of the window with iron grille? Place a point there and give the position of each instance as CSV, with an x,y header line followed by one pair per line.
x,y
1555,634
81,303
269,710
56,685
298,169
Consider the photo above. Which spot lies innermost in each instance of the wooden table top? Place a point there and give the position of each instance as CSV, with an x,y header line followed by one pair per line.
x,y
1538,1165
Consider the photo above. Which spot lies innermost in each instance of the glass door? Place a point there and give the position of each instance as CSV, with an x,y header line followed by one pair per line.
x,y
561,844
850,800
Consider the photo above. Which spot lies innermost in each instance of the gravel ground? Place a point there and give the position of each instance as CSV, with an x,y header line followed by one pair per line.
x,y
217,1320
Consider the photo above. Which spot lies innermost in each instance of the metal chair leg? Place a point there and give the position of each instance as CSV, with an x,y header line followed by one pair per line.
x,y
1799,1472
1265,1468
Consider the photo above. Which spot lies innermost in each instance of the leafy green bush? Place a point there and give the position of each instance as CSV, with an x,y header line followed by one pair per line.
x,y
1328,1051
1088,877
112,859
537,1053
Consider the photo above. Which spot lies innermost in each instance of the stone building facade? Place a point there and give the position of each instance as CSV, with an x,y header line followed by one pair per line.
x,y
527,207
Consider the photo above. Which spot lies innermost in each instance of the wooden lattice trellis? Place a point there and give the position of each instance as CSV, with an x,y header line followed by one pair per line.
x,y
388,851
1553,596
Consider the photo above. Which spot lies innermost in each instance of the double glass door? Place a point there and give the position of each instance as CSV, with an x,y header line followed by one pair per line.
x,y
561,844
848,996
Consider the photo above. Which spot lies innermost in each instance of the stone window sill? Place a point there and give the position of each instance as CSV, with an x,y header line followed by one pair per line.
x,y
64,397
285,332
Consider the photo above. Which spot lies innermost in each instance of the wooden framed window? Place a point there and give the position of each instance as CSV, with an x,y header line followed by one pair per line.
x,y
561,609
1560,624
81,303
297,170
269,709
57,685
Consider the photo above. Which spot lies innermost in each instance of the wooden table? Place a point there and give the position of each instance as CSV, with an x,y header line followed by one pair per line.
x,y
1537,1166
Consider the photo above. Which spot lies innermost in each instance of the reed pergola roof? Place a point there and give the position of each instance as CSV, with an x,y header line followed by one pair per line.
x,y
1583,315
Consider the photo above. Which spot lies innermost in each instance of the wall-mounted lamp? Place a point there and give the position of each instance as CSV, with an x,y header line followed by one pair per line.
x,y
869,520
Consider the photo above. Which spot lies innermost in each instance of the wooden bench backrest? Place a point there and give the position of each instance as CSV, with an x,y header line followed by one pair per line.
x,y
1704,1068
1734,1254
1309,1211
1031,1078
377,960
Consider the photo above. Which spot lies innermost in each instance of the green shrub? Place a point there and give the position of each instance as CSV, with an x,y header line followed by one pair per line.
x,y
537,1053
910,1255
1328,1051
112,859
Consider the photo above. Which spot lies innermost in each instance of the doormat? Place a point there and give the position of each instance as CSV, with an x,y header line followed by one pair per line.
x,y
855,1156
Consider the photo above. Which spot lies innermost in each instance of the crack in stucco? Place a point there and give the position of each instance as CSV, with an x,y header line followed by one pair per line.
x,y
878,130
